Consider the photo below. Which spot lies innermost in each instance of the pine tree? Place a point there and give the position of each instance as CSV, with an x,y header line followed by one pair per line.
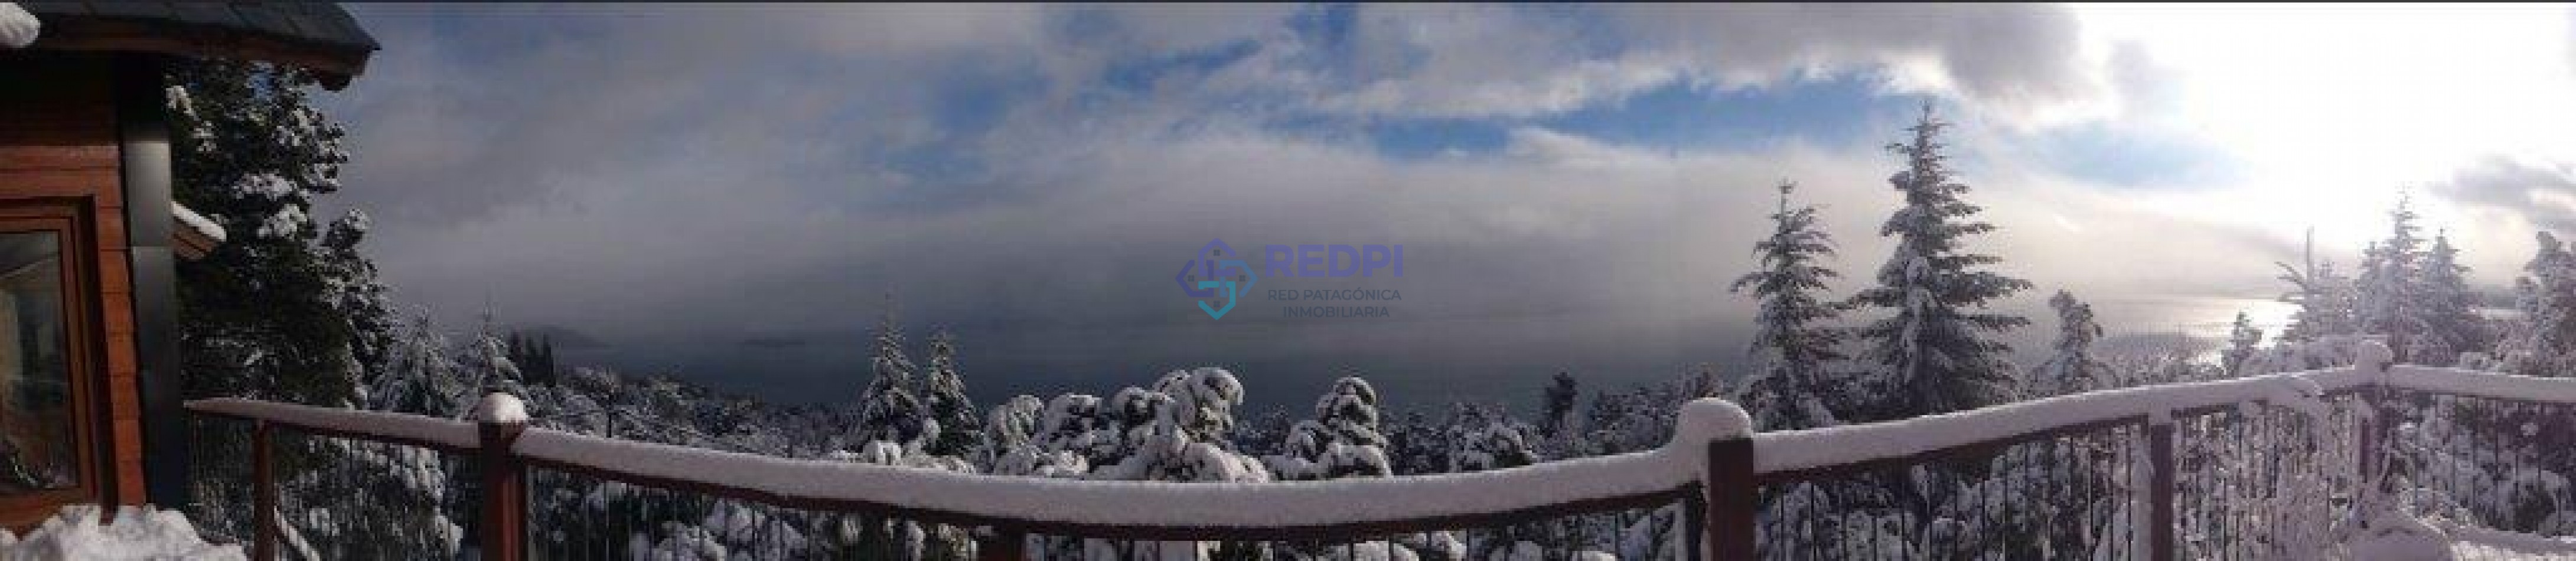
x,y
2323,296
1790,389
889,411
1559,407
944,395
2070,367
286,308
1483,439
2545,344
1933,353
419,374
2450,320
1344,439
2243,340
2391,298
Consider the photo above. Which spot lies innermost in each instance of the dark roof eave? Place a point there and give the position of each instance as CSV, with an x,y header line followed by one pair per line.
x,y
319,37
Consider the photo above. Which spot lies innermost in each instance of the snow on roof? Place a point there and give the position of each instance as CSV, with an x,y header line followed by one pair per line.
x,y
197,222
17,27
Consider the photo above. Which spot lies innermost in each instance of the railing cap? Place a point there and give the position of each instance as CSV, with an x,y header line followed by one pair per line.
x,y
1710,419
501,407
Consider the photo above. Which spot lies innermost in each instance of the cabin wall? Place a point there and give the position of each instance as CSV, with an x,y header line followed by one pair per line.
x,y
59,138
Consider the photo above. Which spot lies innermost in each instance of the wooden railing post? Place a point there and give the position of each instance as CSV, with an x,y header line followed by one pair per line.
x,y
1728,490
504,523
263,475
1003,545
2374,415
1732,499
2161,539
2373,360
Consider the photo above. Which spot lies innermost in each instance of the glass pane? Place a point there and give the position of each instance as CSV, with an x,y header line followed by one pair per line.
x,y
38,450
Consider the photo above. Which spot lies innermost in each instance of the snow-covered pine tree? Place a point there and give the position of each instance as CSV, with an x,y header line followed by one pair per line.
x,y
943,394
2450,319
1790,387
1483,438
1344,439
2325,300
2545,344
1934,353
2243,340
418,373
2391,295
1704,382
286,308
2070,367
889,411
1558,409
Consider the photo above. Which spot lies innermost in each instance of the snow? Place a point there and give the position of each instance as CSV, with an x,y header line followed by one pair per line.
x,y
17,27
1819,447
1145,503
500,407
456,434
134,534
197,222
2483,384
2481,544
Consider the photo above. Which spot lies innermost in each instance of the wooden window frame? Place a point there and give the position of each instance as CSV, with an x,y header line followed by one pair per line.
x,y
81,304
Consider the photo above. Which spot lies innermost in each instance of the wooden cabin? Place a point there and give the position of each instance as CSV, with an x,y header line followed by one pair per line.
x,y
89,381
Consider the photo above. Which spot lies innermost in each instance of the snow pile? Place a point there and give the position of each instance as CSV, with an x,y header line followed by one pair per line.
x,y
2480,544
17,27
136,533
2399,538
498,407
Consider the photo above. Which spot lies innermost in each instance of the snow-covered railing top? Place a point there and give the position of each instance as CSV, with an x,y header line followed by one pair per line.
x,y
1858,445
400,428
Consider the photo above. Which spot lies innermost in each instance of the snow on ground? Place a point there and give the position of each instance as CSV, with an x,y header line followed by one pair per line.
x,y
135,534
2479,544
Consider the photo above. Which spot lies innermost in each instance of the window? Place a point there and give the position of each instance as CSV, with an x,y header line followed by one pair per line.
x,y
49,386
39,440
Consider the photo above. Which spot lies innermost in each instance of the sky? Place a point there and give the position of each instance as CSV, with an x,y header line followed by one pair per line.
x,y
730,193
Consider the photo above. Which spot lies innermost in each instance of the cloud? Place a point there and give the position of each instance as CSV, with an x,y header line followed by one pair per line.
x,y
2544,194
1482,60
729,193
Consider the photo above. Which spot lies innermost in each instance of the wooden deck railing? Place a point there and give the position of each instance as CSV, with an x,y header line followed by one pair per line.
x,y
2143,445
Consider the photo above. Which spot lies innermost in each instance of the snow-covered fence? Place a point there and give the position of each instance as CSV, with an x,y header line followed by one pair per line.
x,y
2478,450
2269,466
1415,511
2095,474
335,483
